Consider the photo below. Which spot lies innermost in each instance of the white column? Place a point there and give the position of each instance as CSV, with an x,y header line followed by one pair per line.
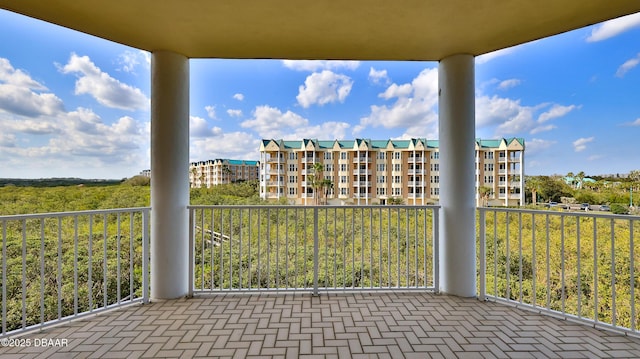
x,y
457,195
169,175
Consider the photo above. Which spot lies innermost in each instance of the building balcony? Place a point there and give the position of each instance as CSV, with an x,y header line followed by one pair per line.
x,y
416,183
415,171
361,184
241,272
416,159
362,160
362,172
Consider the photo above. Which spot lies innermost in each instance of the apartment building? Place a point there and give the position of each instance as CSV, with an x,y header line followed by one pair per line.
x,y
219,171
364,171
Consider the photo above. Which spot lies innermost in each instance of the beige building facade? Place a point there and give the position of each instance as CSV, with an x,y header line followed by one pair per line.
x,y
221,171
364,171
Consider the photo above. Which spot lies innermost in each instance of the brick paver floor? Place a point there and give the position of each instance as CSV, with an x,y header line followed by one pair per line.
x,y
335,325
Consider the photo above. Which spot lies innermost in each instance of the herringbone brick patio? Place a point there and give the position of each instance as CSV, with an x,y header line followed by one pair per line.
x,y
335,325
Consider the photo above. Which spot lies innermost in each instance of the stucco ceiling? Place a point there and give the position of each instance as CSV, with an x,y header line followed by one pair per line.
x,y
323,29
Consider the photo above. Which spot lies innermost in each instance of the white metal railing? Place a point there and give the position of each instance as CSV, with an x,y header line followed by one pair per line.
x,y
61,266
312,248
581,266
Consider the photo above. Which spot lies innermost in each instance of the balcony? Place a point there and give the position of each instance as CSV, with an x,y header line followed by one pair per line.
x,y
416,159
362,160
381,299
363,172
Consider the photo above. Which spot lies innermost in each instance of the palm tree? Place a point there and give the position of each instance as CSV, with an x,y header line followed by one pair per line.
x,y
580,177
534,184
316,180
484,192
226,171
326,186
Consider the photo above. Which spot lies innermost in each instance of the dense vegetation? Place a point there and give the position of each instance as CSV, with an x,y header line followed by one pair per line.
x,y
274,248
616,191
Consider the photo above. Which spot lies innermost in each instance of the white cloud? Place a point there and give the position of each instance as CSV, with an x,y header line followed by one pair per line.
x,y
17,78
379,77
414,108
511,118
238,96
233,145
328,131
198,127
542,129
130,60
581,143
492,55
324,87
507,84
537,145
234,113
104,88
211,112
7,140
394,90
24,102
633,123
270,122
19,94
628,65
614,27
317,65
555,112
595,157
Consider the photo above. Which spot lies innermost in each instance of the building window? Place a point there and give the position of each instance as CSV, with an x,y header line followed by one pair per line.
x,y
381,179
434,155
344,191
328,168
396,155
292,191
381,191
397,192
343,167
435,167
292,167
435,191
488,179
488,155
396,167
343,155
293,179
328,156
488,167
343,179
381,155
396,179
382,167
435,179
293,156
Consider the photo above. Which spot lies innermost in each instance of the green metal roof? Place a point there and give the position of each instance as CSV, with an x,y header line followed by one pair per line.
x,y
378,144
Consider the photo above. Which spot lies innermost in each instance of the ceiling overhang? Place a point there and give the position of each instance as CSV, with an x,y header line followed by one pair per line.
x,y
323,29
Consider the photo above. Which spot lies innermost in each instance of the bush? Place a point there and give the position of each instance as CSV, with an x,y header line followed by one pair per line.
x,y
618,208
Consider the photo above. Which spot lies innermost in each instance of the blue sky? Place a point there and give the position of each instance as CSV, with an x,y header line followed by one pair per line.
x,y
72,105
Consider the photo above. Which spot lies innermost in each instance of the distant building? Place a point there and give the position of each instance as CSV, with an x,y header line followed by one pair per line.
x,y
364,171
145,173
220,171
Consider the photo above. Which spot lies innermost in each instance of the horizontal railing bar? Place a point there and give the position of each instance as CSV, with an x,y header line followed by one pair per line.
x,y
590,214
17,217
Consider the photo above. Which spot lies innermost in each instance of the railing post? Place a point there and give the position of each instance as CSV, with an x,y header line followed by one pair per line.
x,y
192,259
483,251
315,251
436,249
145,255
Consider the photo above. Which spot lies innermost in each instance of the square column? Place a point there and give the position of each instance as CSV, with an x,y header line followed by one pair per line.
x,y
169,175
456,78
